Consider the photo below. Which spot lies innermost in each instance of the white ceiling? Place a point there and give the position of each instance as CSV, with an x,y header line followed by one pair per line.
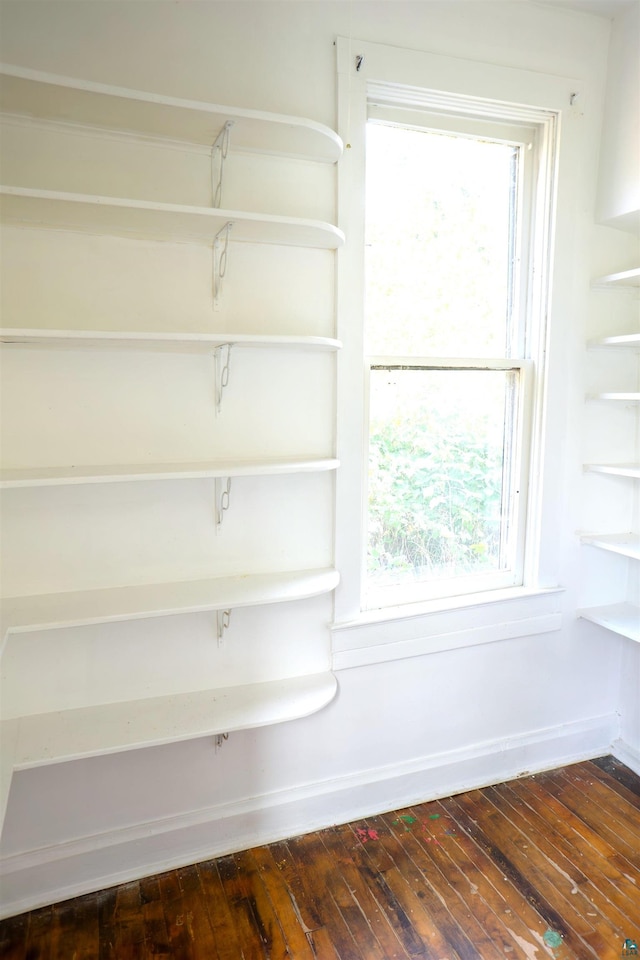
x,y
600,8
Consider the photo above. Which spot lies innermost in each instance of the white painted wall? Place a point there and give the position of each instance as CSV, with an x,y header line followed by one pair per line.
x,y
398,731
619,183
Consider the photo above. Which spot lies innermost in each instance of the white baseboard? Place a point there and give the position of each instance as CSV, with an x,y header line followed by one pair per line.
x,y
627,755
55,873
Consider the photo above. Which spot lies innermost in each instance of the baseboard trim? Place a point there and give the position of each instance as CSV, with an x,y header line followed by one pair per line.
x,y
626,754
51,874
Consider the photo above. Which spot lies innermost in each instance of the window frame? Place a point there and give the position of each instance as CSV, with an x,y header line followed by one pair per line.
x,y
391,76
523,136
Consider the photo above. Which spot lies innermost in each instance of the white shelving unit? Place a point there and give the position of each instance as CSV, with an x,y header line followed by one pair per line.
x,y
615,469
626,544
621,618
626,340
630,397
144,219
46,738
131,339
145,601
101,728
625,278
114,727
45,96
130,473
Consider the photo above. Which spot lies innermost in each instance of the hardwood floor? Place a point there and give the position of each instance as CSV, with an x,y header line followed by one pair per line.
x,y
544,866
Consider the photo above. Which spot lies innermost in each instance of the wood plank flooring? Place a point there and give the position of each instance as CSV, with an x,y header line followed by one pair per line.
x,y
543,866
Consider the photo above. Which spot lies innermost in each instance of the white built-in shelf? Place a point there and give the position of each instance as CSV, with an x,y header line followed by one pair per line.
x,y
621,618
124,473
197,342
145,219
628,397
114,727
46,96
146,601
615,469
99,729
624,340
625,278
626,544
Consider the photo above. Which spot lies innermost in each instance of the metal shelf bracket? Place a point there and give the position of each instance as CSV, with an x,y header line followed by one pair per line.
x,y
220,254
222,495
219,151
221,359
223,619
219,739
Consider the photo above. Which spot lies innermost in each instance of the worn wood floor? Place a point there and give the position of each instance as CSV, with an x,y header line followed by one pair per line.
x,y
544,866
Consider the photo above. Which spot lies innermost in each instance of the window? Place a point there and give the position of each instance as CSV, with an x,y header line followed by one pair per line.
x,y
447,230
451,466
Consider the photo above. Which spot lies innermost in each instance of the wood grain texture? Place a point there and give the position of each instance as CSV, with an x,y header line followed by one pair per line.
x,y
543,866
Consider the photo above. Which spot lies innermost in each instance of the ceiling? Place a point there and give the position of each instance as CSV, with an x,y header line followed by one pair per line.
x,y
600,8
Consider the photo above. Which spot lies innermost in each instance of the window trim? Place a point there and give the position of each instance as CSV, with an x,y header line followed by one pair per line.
x,y
393,75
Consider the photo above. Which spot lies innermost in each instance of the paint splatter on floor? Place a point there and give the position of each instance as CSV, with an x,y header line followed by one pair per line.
x,y
552,938
365,835
529,949
405,820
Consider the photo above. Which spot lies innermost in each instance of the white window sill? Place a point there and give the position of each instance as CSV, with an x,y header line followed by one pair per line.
x,y
395,633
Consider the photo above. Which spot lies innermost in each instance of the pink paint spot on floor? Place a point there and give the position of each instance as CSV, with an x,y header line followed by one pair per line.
x,y
365,835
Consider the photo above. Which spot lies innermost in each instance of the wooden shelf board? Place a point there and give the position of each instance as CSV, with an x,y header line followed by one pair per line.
x,y
170,341
615,469
623,340
621,618
65,99
626,544
114,727
143,219
146,601
136,472
629,278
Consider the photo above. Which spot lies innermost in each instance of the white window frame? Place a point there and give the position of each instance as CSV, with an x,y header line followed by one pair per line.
x,y
384,108
389,75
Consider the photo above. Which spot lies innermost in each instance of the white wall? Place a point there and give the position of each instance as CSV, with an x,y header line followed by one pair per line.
x,y
619,183
398,731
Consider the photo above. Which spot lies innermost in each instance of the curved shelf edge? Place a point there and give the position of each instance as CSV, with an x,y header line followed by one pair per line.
x,y
116,727
146,601
49,738
125,217
19,477
620,618
47,96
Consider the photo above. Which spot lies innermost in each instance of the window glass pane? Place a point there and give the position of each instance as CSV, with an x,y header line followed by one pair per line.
x,y
440,243
440,464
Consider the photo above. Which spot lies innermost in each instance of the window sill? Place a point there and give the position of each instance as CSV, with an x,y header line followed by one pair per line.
x,y
396,633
